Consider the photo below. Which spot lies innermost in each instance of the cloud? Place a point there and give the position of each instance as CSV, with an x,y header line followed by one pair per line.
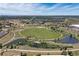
x,y
38,8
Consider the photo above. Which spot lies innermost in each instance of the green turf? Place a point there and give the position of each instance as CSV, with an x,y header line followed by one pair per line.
x,y
40,33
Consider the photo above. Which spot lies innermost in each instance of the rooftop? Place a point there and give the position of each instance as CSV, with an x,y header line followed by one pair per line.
x,y
75,25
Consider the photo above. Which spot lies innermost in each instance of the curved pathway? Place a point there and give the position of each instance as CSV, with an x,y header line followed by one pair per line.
x,y
38,50
13,38
10,39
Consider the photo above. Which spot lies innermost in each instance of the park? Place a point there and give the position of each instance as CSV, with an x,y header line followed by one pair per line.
x,y
60,38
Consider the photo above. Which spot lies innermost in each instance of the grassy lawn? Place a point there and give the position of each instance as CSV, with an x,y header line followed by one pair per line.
x,y
40,33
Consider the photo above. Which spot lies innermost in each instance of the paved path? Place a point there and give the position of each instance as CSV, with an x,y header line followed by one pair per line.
x,y
42,51
13,38
38,50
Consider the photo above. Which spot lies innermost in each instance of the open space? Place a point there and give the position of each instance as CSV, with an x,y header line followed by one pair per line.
x,y
40,33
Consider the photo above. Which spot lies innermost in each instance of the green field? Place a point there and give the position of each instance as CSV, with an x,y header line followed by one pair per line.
x,y
40,33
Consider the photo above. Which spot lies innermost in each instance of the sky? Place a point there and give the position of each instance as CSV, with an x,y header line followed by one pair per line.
x,y
39,8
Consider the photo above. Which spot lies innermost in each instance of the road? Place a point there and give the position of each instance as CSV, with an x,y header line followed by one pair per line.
x,y
38,50
13,38
41,50
10,39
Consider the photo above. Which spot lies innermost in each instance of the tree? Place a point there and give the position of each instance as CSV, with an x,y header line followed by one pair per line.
x,y
38,54
65,48
23,54
36,45
20,43
70,53
48,53
14,46
7,46
44,45
52,28
1,46
11,46
71,35
2,53
28,37
61,48
30,43
64,53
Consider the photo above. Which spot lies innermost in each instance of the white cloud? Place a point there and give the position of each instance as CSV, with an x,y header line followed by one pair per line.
x,y
35,9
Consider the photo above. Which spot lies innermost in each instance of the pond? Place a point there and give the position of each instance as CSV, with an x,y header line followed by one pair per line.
x,y
68,40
